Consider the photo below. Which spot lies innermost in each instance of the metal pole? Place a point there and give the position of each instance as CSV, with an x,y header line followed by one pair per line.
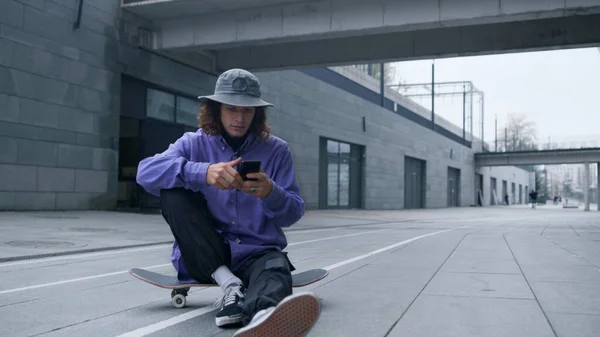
x,y
77,22
496,132
464,111
382,85
433,95
598,186
482,121
471,107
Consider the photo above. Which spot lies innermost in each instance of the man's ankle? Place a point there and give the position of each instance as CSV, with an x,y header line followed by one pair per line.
x,y
224,277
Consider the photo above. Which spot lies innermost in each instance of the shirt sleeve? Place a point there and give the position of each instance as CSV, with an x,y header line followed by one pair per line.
x,y
284,205
172,169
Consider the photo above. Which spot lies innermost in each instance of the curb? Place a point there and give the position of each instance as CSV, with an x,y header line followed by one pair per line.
x,y
80,251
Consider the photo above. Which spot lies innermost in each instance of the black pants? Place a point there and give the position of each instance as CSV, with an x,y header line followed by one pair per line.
x,y
266,274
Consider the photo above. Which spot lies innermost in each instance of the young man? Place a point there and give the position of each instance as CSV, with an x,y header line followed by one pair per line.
x,y
228,229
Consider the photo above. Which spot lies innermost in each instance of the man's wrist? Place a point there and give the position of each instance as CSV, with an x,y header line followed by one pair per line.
x,y
275,198
270,189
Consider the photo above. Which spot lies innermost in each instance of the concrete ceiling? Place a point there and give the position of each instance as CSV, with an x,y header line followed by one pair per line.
x,y
547,34
169,9
280,34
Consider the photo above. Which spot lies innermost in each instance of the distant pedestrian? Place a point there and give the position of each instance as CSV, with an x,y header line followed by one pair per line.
x,y
533,198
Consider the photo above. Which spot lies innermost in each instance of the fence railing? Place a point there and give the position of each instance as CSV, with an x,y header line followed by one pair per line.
x,y
524,146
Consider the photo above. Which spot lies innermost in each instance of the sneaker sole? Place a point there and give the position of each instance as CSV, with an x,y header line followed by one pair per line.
x,y
222,321
293,317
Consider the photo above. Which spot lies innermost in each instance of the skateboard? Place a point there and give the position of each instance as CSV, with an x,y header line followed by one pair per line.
x,y
180,289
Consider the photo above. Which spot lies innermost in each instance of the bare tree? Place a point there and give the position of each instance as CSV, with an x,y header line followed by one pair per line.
x,y
567,186
374,69
519,134
389,72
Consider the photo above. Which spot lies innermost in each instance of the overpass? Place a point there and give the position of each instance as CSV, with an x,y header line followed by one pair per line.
x,y
277,34
538,157
546,157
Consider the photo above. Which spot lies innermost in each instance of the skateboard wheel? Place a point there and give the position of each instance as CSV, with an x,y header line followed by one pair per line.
x,y
178,301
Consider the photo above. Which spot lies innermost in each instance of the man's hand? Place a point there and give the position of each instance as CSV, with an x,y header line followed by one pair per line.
x,y
260,188
224,176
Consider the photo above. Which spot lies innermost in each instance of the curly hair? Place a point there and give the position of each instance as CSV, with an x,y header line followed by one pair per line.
x,y
209,120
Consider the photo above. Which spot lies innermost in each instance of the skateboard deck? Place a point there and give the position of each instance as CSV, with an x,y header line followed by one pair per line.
x,y
180,289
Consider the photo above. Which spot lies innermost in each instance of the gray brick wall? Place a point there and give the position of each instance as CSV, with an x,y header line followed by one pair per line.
x,y
58,95
59,99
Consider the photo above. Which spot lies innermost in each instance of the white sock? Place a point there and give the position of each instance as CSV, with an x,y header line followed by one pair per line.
x,y
224,277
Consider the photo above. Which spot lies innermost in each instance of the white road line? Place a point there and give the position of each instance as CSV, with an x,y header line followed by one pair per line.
x,y
169,322
85,255
76,279
381,250
336,237
198,312
163,265
305,231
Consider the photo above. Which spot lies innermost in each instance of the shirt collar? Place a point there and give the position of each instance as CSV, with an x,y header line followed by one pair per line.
x,y
248,143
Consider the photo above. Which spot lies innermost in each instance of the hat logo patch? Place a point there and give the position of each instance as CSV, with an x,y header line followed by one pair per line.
x,y
239,84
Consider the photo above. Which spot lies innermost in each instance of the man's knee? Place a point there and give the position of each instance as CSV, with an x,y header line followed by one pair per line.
x,y
269,267
277,262
277,270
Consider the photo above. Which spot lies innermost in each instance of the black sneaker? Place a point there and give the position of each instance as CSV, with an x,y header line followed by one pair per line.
x,y
294,316
232,305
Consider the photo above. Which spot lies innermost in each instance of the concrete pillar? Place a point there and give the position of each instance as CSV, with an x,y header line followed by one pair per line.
x,y
586,186
598,186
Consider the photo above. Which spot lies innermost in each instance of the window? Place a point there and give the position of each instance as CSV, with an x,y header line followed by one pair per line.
x,y
332,183
340,174
187,111
172,108
160,105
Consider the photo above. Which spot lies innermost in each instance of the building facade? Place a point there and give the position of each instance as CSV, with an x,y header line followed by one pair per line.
x,y
82,104
568,180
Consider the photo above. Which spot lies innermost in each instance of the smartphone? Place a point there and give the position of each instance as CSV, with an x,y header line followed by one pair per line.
x,y
249,166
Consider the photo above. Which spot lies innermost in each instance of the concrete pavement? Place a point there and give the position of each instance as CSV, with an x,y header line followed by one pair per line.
x,y
501,271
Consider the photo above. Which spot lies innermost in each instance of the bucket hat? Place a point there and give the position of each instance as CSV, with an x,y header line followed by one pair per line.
x,y
237,87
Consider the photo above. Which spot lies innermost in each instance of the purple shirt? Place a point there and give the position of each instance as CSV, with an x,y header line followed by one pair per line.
x,y
247,222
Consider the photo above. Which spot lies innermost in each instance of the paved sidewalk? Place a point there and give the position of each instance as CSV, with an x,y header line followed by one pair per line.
x,y
463,272
34,233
